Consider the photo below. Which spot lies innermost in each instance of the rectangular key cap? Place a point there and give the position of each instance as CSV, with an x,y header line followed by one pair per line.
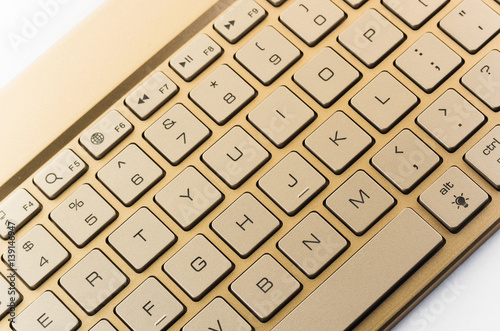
x,y
428,62
241,18
371,37
150,307
93,281
48,313
292,183
198,266
176,134
454,199
367,277
312,20
406,161
106,134
9,297
130,174
153,93
141,239
265,287
326,77
471,24
268,55
83,215
483,80
217,315
39,255
16,210
222,94
484,157
414,12
195,57
60,173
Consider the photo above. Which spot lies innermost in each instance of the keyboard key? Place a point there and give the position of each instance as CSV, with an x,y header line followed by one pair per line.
x,y
484,157
268,55
106,134
39,255
217,315
151,95
428,62
483,80
338,142
451,120
177,134
390,257
406,161
471,24
93,281
312,244
198,267
60,173
371,37
292,183
222,94
150,307
276,3
141,239
245,225
188,198
48,313
103,325
235,157
360,202
83,215
384,101
454,199
16,210
130,174
265,287
414,12
281,116
239,20
355,3
312,20
326,77
9,297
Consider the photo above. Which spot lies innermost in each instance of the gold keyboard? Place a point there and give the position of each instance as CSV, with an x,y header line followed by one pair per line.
x,y
298,165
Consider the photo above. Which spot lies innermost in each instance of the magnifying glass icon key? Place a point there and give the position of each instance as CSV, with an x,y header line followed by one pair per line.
x,y
51,178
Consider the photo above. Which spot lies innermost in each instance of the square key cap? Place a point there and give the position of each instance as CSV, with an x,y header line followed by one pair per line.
x,y
188,197
268,55
130,174
198,266
292,183
16,210
406,161
235,157
454,199
218,315
265,287
414,13
312,244
245,224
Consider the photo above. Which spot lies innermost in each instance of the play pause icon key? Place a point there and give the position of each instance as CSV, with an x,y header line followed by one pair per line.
x,y
152,94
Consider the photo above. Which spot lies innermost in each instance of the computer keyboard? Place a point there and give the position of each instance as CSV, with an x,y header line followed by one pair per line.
x,y
296,165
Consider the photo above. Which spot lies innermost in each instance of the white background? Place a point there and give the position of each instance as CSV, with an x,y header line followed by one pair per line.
x,y
467,300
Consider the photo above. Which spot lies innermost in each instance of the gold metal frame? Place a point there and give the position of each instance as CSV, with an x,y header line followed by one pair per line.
x,y
457,248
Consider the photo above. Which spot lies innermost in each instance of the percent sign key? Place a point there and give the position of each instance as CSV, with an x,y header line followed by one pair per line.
x,y
76,204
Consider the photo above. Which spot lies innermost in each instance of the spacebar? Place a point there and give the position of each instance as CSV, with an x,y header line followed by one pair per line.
x,y
367,277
